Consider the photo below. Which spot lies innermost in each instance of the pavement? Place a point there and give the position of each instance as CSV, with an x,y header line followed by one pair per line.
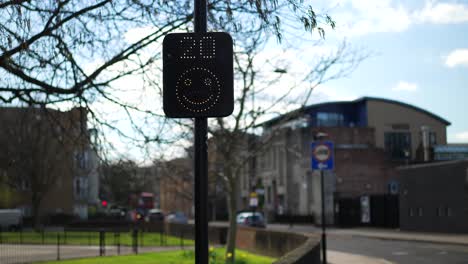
x,y
336,257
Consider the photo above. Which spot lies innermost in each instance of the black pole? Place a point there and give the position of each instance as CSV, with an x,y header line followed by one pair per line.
x,y
201,160
324,235
201,192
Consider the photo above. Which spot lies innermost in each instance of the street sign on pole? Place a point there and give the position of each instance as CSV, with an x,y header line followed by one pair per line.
x,y
322,155
323,159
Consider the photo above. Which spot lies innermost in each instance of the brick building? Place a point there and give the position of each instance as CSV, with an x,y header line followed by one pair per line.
x,y
47,157
372,136
176,185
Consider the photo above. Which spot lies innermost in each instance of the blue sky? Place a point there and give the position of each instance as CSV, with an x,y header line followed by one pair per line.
x,y
420,55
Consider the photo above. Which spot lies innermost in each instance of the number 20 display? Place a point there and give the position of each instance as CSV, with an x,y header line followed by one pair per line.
x,y
198,75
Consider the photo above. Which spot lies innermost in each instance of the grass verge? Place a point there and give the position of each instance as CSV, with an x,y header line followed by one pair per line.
x,y
217,256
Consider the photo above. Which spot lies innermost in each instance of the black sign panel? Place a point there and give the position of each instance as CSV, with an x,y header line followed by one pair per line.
x,y
198,79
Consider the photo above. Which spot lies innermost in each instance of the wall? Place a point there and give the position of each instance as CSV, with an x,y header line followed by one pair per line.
x,y
434,197
382,114
290,248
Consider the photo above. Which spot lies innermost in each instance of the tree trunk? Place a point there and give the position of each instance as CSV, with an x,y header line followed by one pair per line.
x,y
232,232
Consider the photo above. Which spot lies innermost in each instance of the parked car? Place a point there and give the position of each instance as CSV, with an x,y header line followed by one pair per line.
x,y
252,219
155,215
11,219
177,217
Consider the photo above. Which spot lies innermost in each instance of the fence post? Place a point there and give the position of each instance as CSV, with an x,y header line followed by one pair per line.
x,y
64,237
182,238
21,236
135,240
42,236
160,237
58,246
1,235
141,237
102,243
118,243
89,238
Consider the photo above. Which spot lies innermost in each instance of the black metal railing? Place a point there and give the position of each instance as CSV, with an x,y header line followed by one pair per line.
x,y
27,246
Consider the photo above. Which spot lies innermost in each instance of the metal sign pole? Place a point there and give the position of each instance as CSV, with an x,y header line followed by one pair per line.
x,y
324,235
201,161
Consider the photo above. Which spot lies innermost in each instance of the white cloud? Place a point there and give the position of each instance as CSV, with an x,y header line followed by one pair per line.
x,y
462,136
457,57
362,17
404,86
442,13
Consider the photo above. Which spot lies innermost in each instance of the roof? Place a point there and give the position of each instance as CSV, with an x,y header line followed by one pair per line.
x,y
359,100
406,105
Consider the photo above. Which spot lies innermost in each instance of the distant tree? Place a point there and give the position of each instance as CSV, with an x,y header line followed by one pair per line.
x,y
74,53
236,138
119,180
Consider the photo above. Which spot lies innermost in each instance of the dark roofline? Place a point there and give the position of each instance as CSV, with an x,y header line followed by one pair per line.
x,y
362,99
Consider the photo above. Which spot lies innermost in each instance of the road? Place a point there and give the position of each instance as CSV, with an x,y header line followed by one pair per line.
x,y
401,252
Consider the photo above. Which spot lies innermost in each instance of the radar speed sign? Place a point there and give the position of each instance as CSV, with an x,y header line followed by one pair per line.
x,y
198,79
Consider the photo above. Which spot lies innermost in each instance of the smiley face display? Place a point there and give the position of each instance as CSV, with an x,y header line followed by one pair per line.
x,y
198,89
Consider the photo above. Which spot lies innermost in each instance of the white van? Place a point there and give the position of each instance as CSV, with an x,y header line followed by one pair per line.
x,y
11,219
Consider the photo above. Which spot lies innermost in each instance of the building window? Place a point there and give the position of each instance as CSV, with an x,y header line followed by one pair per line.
x,y
448,211
411,212
330,119
432,138
268,195
398,144
420,211
466,180
440,212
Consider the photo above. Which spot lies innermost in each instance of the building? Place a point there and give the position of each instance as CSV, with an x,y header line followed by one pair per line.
x,y
47,162
372,137
176,185
434,197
